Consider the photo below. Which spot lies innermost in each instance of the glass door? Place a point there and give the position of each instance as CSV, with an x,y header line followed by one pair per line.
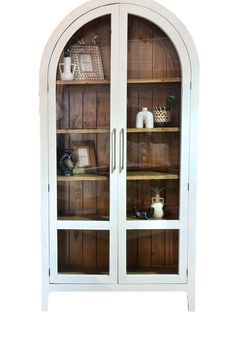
x,y
152,232
83,224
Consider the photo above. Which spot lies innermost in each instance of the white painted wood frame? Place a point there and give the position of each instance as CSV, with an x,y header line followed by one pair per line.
x,y
182,223
55,224
118,279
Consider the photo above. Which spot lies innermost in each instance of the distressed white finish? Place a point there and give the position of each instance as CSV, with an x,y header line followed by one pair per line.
x,y
118,223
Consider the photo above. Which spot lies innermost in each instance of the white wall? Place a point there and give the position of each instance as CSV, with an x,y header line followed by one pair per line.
x,y
110,320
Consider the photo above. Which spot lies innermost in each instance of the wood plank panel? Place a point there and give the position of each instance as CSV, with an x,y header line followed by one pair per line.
x,y
145,52
145,98
132,249
133,48
103,120
172,151
89,248
152,251
144,195
63,245
145,147
175,248
159,54
132,196
144,248
103,107
132,107
132,152
176,112
103,152
76,249
151,50
159,96
76,107
88,32
158,248
103,198
89,197
63,198
173,68
63,107
103,250
59,105
171,247
76,198
103,29
90,108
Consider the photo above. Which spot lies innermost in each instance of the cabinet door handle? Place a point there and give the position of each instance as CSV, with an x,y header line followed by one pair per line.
x,y
113,151
122,137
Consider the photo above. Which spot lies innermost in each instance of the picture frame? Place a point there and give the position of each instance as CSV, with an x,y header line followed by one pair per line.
x,y
83,155
88,61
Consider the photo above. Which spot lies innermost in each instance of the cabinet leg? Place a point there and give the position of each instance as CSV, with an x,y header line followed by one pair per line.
x,y
44,301
191,301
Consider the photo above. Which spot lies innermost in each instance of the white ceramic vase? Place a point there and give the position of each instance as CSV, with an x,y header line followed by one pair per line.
x,y
144,118
157,205
67,73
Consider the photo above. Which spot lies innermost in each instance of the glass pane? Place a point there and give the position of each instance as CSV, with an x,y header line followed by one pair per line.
x,y
85,195
83,252
83,123
153,123
152,251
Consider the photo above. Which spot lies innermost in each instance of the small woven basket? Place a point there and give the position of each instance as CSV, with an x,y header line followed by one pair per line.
x,y
161,115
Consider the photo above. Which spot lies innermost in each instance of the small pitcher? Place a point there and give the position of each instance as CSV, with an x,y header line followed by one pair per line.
x,y
157,205
69,69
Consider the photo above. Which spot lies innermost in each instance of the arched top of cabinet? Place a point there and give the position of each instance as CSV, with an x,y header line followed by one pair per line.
x,y
148,4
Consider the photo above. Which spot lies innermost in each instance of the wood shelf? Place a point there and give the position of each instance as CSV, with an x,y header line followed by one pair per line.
x,y
130,81
83,131
106,130
84,271
150,175
83,177
163,129
131,175
153,81
132,217
84,217
83,82
172,214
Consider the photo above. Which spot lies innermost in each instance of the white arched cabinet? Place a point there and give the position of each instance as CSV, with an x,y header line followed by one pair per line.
x,y
99,169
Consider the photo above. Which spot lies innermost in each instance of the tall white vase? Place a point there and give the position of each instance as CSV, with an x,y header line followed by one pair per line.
x,y
68,69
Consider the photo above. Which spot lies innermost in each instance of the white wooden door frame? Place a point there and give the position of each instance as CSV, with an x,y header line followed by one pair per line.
x,y
55,224
182,223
